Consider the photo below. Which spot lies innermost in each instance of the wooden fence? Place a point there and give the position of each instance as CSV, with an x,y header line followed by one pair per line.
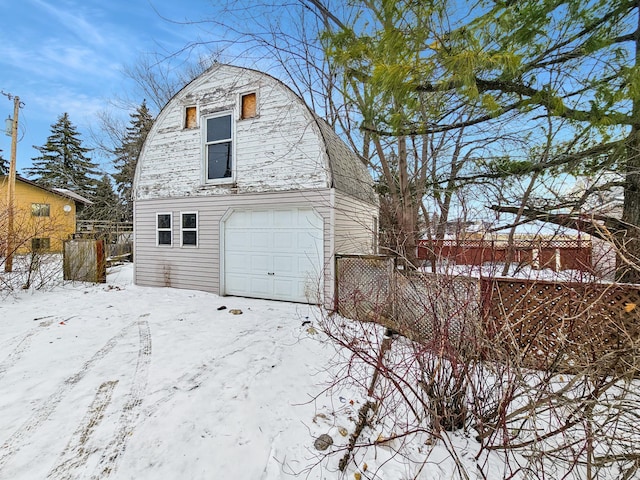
x,y
117,236
564,326
554,254
561,326
84,260
420,306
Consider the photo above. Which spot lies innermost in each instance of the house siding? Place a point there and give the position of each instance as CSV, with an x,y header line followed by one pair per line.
x,y
58,226
198,268
355,225
279,150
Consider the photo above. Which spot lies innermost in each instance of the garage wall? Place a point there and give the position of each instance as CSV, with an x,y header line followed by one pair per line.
x,y
356,225
199,267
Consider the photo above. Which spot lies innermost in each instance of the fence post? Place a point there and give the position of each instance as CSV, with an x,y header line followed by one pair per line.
x,y
393,285
336,283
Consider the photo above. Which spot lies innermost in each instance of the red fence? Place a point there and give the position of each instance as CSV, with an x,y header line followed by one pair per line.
x,y
554,254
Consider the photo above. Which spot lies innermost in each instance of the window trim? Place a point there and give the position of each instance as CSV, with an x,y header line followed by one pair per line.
x,y
205,144
39,207
158,229
183,229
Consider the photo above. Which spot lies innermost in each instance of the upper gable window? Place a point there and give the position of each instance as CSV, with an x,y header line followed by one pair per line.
x,y
218,147
190,117
40,209
248,106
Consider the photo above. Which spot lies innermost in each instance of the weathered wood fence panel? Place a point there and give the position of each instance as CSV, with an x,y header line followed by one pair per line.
x,y
422,307
84,260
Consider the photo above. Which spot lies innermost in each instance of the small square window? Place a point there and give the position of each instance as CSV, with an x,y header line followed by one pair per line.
x,y
190,117
189,229
40,209
248,106
40,244
163,228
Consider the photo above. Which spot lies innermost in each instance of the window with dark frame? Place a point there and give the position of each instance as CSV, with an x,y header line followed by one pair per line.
x,y
189,229
218,147
40,244
40,209
190,117
248,106
163,226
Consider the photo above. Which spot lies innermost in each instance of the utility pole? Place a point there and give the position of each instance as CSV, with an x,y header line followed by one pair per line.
x,y
11,185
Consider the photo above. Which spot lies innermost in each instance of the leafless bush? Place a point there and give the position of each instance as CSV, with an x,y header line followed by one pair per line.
x,y
34,264
477,385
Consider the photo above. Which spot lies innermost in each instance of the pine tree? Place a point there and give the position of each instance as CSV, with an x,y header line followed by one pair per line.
x,y
127,155
64,162
4,165
106,204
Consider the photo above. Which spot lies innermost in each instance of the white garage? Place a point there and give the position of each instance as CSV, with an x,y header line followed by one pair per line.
x,y
273,254
242,190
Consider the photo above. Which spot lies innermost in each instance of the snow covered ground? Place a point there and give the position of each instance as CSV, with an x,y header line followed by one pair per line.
x,y
125,382
120,381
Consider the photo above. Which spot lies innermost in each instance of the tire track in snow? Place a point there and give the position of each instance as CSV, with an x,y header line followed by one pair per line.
x,y
189,381
131,410
23,344
76,453
15,441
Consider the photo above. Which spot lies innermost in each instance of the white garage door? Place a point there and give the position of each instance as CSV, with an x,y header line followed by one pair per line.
x,y
274,254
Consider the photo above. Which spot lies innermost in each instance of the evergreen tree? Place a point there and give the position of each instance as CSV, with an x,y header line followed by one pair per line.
x,y
4,165
127,154
106,204
64,162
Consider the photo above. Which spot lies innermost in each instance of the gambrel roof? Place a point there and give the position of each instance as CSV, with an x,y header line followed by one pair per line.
x,y
285,147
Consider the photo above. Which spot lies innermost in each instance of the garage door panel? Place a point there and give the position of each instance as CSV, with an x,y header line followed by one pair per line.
x,y
274,254
260,218
284,219
237,283
258,264
306,241
285,265
283,287
283,241
238,240
237,262
239,219
308,219
306,264
260,286
260,239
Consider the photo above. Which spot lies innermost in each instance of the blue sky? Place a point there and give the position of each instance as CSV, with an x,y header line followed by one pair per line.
x,y
67,56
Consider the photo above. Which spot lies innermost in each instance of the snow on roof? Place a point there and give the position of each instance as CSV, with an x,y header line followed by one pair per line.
x,y
72,195
58,191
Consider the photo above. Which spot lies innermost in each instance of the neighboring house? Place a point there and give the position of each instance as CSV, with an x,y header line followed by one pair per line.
x,y
242,190
44,217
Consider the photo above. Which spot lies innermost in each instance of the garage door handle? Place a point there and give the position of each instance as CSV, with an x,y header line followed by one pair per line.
x,y
270,273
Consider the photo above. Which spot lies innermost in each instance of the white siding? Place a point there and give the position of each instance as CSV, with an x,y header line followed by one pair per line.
x,y
355,225
199,268
279,150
